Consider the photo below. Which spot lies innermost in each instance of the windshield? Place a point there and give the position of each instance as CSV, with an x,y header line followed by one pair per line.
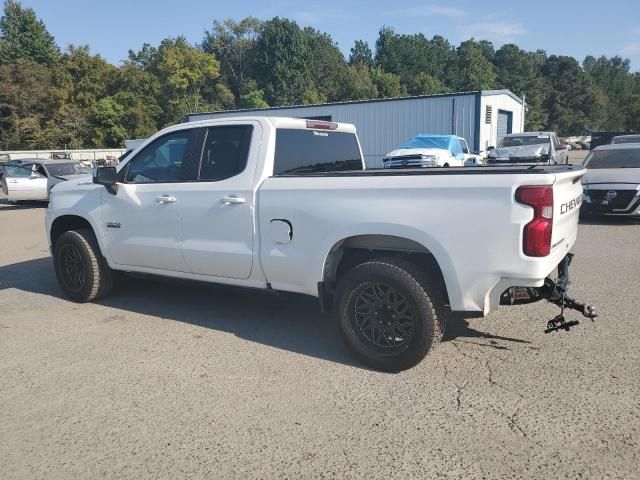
x,y
62,169
618,158
524,140
626,139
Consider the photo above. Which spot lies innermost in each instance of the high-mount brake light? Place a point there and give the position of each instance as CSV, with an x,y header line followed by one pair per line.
x,y
536,241
320,125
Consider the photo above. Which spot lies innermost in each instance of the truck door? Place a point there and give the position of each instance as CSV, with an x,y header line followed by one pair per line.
x,y
217,211
141,220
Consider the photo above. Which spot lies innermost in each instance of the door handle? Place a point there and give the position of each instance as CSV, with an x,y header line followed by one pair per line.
x,y
166,199
233,200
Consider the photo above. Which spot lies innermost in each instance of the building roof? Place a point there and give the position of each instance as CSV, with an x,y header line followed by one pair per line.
x,y
372,100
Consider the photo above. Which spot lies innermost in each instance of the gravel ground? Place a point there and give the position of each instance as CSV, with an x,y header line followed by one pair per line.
x,y
171,380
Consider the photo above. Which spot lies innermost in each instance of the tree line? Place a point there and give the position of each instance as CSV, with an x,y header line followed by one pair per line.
x,y
72,98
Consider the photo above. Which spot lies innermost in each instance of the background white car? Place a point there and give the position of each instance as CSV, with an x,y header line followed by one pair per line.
x,y
426,150
33,179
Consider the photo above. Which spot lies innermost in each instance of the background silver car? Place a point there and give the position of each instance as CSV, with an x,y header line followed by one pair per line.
x,y
33,179
612,183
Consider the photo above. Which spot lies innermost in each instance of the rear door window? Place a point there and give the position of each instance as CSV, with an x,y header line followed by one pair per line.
x,y
300,152
225,152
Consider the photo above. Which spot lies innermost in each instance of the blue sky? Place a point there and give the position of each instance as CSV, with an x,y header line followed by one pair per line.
x,y
573,28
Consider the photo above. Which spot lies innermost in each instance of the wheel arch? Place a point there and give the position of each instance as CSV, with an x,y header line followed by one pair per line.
x,y
355,249
67,222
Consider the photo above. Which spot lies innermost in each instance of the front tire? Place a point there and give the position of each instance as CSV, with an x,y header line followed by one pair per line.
x,y
387,315
81,270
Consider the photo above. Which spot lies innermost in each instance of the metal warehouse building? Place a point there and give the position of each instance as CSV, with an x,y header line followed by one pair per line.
x,y
481,117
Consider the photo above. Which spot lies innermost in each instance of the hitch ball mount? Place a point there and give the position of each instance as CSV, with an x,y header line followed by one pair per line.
x,y
553,292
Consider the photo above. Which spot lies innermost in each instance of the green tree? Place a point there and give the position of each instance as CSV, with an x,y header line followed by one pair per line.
x,y
409,55
185,70
425,84
22,35
361,53
252,97
471,69
327,68
520,72
109,119
572,103
28,98
234,45
360,85
612,75
282,62
387,84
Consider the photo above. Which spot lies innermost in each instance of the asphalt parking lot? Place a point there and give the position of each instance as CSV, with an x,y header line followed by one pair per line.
x,y
173,380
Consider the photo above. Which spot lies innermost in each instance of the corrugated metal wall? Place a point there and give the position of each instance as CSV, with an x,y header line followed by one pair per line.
x,y
500,101
383,125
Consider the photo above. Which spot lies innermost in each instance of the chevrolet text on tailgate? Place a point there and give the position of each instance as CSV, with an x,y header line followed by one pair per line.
x,y
287,204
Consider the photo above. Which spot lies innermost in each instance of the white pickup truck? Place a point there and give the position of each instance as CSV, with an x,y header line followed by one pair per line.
x,y
287,204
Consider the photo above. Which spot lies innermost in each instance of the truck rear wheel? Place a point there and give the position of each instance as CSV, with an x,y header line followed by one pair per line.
x,y
387,315
82,271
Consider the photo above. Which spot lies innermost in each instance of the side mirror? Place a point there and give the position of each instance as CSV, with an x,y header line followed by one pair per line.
x,y
107,176
491,148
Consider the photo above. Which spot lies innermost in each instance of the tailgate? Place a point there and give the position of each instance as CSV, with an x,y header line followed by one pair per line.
x,y
567,197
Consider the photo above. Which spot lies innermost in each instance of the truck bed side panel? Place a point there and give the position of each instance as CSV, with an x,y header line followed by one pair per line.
x,y
470,223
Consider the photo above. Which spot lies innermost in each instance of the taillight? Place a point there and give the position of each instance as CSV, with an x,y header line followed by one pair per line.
x,y
537,233
320,125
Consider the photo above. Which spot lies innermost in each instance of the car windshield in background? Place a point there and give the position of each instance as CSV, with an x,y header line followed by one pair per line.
x,y
62,169
626,139
300,152
524,140
618,158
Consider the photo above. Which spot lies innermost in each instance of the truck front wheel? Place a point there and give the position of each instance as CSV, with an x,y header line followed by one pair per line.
x,y
82,271
387,315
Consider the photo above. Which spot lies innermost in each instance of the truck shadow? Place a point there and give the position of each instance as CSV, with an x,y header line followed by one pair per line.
x,y
6,205
286,321
612,221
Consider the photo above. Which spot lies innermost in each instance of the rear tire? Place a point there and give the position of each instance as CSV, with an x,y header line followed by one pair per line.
x,y
387,313
81,270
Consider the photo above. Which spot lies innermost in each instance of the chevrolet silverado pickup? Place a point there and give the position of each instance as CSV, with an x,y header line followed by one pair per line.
x,y
288,205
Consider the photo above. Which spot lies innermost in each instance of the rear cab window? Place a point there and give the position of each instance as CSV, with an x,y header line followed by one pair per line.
x,y
306,151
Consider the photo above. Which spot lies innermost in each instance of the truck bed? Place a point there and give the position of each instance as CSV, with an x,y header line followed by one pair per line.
x,y
485,170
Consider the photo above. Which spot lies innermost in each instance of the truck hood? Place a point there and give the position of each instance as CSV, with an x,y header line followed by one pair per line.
x,y
403,152
75,182
612,175
62,178
520,151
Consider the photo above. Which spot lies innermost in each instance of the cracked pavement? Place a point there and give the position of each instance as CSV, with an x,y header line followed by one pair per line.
x,y
174,380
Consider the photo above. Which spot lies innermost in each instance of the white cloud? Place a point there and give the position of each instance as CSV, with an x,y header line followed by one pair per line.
x,y
631,48
496,32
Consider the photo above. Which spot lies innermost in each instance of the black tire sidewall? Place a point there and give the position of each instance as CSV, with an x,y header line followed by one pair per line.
x,y
90,262
425,320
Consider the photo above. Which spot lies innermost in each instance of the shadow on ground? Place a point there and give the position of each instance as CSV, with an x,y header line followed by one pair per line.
x,y
6,205
610,221
287,321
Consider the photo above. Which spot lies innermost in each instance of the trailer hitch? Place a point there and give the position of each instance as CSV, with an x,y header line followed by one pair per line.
x,y
557,294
